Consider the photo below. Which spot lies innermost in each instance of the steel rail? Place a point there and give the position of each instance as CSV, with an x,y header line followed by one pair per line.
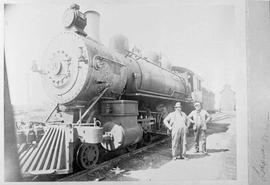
x,y
77,176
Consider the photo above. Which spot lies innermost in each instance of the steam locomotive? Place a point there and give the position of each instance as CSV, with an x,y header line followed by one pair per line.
x,y
107,98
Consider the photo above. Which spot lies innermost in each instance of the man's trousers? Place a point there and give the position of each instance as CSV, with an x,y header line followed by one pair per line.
x,y
178,142
200,139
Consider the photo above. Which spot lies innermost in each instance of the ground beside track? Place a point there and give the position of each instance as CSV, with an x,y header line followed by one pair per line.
x,y
155,164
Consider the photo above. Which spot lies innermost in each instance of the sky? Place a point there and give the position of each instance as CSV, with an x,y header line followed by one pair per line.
x,y
200,37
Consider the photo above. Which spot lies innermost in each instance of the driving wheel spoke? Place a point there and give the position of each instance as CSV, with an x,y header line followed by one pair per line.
x,y
87,155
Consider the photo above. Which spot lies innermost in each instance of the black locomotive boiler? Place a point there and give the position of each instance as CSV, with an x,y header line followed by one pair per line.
x,y
109,98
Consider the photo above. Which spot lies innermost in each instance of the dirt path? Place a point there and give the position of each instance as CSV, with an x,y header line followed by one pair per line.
x,y
156,164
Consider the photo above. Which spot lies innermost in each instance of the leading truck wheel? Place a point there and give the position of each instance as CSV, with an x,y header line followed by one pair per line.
x,y
87,155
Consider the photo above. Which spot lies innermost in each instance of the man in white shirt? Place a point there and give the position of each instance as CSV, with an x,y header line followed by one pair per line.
x,y
176,122
199,117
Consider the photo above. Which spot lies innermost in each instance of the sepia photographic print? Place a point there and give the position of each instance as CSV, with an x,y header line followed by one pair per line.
x,y
134,91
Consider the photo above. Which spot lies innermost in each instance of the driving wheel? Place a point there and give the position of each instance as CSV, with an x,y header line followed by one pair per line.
x,y
87,155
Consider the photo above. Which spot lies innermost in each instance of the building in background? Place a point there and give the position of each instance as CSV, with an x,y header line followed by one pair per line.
x,y
227,99
208,100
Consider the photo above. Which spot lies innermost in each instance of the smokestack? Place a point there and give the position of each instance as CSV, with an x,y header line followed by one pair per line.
x,y
92,26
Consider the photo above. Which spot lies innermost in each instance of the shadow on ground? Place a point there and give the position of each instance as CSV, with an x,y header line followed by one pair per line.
x,y
196,156
217,150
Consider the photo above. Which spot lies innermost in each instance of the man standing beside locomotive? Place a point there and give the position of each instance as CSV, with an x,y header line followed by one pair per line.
x,y
199,117
176,122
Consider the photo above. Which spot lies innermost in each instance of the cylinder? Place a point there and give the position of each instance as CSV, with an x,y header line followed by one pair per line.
x,y
119,108
120,122
124,131
92,26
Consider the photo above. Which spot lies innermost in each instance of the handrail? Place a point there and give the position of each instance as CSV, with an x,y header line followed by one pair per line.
x,y
47,119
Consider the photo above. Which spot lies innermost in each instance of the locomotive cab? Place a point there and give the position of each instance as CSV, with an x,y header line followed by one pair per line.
x,y
192,80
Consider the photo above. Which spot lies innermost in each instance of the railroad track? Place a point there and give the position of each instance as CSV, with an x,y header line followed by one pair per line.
x,y
110,163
